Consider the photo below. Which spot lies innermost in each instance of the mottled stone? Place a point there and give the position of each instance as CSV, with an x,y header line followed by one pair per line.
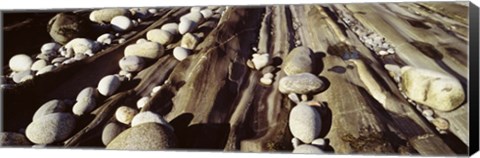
x,y
299,60
125,114
131,63
304,123
148,136
302,83
189,41
51,128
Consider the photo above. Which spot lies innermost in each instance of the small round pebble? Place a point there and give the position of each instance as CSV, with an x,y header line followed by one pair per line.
x,y
304,123
260,60
427,112
51,128
22,76
180,53
20,62
125,114
142,102
121,23
207,13
268,75
294,97
141,40
196,17
131,63
296,142
106,38
189,41
108,85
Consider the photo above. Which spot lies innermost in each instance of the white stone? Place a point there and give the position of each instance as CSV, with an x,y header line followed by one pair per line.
x,y
106,38
108,85
434,89
85,94
20,77
105,16
150,50
50,48
84,106
391,51
147,117
319,142
180,53
52,106
121,40
186,26
125,114
152,11
260,60
39,64
81,45
382,52
142,102
131,63
20,62
307,149
294,97
196,17
156,89
161,36
51,128
268,75
296,142
170,27
189,41
427,112
304,123
45,69
121,23
207,13
141,40
266,81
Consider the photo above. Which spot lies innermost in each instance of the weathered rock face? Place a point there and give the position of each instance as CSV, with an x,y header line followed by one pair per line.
x,y
299,60
304,123
65,27
111,131
104,16
434,89
51,128
307,149
302,83
13,139
150,50
50,107
148,136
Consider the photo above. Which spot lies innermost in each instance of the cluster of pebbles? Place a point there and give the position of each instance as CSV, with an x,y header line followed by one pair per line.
x,y
445,96
370,39
56,120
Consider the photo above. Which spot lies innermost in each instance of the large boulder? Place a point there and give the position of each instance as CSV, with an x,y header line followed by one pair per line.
x,y
299,60
302,83
147,136
304,123
436,90
51,128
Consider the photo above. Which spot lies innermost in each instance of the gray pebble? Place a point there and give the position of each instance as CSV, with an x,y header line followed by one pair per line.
x,y
51,128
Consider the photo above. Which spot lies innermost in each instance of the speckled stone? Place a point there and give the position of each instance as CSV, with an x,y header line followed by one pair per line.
x,y
148,136
302,83
51,128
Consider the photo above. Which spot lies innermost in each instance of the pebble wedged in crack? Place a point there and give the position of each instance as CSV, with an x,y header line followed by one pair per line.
x,y
299,60
434,89
148,136
302,83
51,128
304,123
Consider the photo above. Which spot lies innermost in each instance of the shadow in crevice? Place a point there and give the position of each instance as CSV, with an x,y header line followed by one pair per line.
x,y
326,116
337,69
317,58
204,136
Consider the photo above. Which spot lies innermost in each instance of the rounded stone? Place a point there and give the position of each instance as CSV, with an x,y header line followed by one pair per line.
x,y
82,45
13,139
84,106
302,83
131,63
180,53
142,102
112,130
260,60
148,136
170,27
22,76
160,36
125,114
186,26
106,38
427,112
299,60
196,9
196,17
206,13
434,89
121,23
45,69
141,40
50,107
149,50
65,27
441,123
148,116
108,85
266,81
294,97
39,64
50,48
189,41
105,16
304,123
319,142
20,62
51,128
141,13
307,149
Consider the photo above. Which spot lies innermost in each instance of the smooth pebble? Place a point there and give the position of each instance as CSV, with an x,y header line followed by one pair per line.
x,y
125,114
108,85
161,36
121,23
131,63
180,53
20,62
51,128
50,107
